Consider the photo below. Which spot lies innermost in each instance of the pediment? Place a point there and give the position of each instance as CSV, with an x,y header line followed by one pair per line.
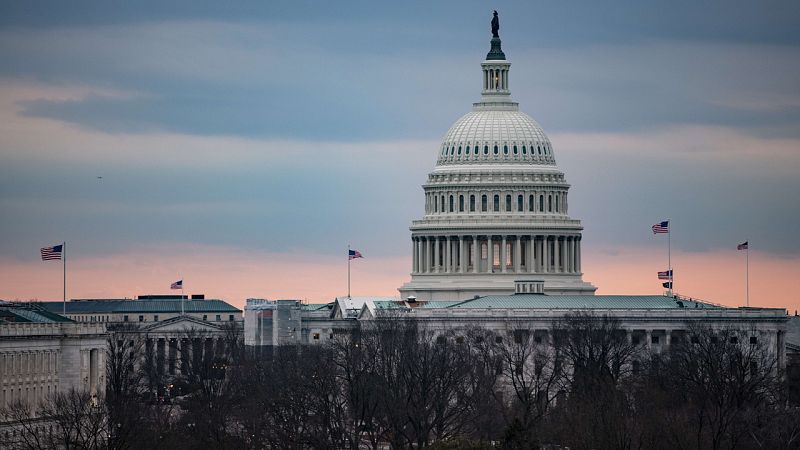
x,y
182,325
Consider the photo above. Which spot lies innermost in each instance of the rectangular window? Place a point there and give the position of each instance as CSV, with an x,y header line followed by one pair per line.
x,y
205,317
155,318
654,339
219,317
753,340
508,203
315,336
141,318
471,203
124,318
230,317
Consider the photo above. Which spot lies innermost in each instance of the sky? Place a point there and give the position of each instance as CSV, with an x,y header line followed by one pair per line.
x,y
243,147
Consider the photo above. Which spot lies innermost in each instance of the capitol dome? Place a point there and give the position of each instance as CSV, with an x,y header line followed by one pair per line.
x,y
496,206
495,136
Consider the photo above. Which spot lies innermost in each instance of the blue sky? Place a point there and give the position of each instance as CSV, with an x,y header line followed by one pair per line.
x,y
300,127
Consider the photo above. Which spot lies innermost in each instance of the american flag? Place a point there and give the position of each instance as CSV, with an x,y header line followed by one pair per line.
x,y
661,227
176,285
353,254
665,275
52,253
742,246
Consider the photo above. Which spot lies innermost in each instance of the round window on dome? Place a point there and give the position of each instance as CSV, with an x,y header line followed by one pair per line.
x,y
496,150
539,149
524,150
505,149
515,150
485,149
459,150
452,150
466,152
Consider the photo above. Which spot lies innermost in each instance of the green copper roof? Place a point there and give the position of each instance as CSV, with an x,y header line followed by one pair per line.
x,y
532,301
316,307
139,306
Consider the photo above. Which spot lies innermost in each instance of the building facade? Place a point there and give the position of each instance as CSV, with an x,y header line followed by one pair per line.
x,y
496,205
43,353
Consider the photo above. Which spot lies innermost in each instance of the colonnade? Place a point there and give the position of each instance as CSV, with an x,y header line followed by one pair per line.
x,y
540,253
174,355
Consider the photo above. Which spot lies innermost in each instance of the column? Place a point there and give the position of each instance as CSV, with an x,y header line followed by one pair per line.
x,y
413,255
649,339
447,254
489,254
503,255
546,254
428,258
578,256
461,257
436,254
517,255
419,255
475,253
529,257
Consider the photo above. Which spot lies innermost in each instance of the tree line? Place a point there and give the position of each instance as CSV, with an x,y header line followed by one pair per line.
x,y
396,383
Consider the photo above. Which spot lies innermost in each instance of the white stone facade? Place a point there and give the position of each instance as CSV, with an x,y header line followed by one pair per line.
x,y
496,207
37,359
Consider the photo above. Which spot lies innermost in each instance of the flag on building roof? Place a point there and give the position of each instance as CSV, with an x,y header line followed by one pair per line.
x,y
52,253
665,275
742,246
661,227
353,254
667,285
176,285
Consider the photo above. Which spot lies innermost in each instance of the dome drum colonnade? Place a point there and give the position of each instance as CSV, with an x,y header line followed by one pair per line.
x,y
496,206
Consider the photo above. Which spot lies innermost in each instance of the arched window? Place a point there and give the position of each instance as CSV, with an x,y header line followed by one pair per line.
x,y
471,203
496,203
531,203
476,150
485,149
451,203
466,152
515,150
505,149
443,207
459,150
539,148
520,201
460,203
435,203
496,150
541,202
484,205
556,203
550,203
508,203
452,150
484,251
524,150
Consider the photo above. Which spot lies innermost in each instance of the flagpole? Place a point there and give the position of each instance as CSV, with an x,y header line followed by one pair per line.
x,y
64,263
183,313
669,257
747,272
348,271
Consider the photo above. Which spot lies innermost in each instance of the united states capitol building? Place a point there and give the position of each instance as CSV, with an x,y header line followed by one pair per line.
x,y
497,248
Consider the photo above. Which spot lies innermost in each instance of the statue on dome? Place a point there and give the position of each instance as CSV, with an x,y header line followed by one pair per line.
x,y
495,26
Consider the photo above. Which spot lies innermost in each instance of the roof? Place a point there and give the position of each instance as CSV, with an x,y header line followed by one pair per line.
x,y
350,307
316,306
534,301
140,306
28,313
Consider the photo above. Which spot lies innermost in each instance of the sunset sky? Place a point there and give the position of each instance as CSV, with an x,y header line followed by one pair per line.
x,y
242,148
